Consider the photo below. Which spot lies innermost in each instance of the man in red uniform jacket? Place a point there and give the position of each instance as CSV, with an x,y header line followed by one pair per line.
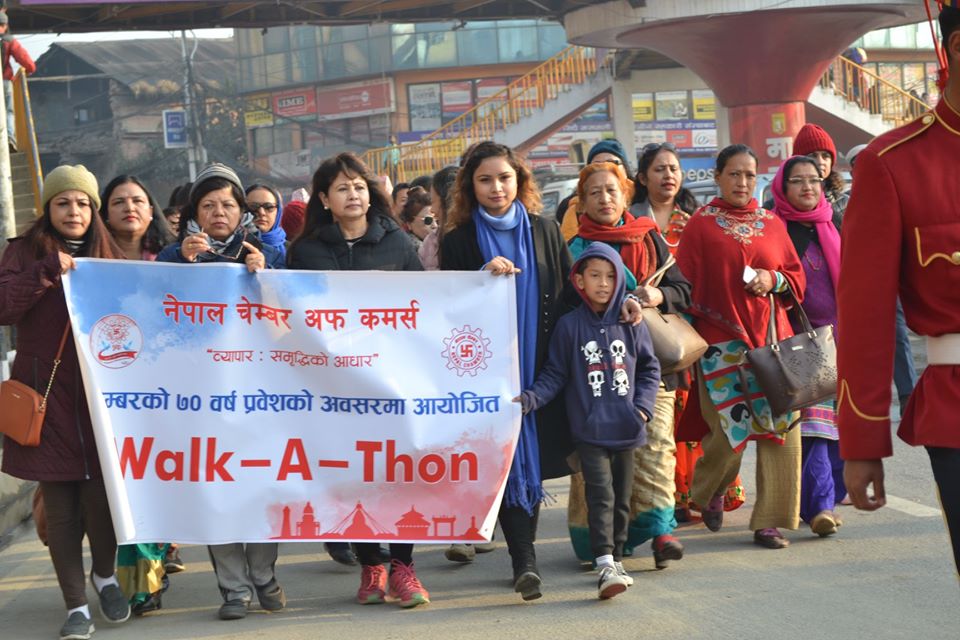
x,y
901,233
12,48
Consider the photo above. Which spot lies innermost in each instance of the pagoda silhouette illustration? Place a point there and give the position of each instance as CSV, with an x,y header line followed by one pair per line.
x,y
360,525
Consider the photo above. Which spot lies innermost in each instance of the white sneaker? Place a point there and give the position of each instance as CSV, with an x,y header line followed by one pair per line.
x,y
611,583
623,573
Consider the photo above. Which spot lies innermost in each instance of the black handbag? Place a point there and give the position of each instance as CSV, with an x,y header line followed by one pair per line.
x,y
798,372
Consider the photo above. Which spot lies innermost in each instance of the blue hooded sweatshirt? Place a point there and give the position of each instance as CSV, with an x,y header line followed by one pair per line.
x,y
607,368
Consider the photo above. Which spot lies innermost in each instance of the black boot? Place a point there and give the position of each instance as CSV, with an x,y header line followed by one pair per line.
x,y
520,532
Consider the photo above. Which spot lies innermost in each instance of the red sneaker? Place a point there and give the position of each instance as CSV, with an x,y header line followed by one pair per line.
x,y
373,581
404,586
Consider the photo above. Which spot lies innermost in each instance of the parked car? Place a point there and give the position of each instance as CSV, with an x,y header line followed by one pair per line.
x,y
554,192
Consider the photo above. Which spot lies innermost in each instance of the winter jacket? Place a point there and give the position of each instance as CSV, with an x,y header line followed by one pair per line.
x,y
13,48
384,247
272,257
606,368
460,251
31,298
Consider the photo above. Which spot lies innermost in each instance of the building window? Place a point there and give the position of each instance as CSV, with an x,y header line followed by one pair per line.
x,y
82,115
517,44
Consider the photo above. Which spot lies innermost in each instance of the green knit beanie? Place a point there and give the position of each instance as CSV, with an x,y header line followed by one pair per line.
x,y
69,178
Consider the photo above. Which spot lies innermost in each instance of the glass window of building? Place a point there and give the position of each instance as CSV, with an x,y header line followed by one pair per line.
x,y
250,41
356,57
477,46
304,65
517,44
276,40
552,39
277,69
303,37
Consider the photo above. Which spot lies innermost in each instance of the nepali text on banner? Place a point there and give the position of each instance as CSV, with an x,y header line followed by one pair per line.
x,y
298,405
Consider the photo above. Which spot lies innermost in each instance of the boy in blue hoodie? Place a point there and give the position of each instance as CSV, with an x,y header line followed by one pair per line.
x,y
611,377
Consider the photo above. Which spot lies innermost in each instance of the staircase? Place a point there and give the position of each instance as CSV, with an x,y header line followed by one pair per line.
x,y
520,115
16,495
856,97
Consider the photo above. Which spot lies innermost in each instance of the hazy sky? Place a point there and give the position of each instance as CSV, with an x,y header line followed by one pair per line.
x,y
37,44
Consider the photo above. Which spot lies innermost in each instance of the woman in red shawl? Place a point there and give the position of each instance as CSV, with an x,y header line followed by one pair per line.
x,y
727,243
602,198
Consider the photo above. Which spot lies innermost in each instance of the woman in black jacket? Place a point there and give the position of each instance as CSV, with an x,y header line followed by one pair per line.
x,y
349,228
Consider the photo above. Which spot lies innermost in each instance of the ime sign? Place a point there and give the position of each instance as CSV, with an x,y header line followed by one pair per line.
x,y
175,129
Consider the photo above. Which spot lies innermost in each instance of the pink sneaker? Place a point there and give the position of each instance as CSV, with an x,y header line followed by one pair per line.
x,y
404,586
373,581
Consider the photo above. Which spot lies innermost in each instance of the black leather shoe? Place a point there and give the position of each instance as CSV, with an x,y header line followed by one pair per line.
x,y
341,553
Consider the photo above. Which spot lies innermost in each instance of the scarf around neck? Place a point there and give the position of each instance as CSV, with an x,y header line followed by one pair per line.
x,y
276,236
633,237
748,209
821,216
511,236
228,247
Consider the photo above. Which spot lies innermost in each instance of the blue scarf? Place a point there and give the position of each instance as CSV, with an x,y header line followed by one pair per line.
x,y
276,237
510,236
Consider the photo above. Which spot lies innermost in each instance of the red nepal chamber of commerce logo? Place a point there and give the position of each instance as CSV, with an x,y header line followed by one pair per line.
x,y
116,341
466,351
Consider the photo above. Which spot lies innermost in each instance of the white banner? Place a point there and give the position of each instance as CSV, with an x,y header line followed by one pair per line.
x,y
298,405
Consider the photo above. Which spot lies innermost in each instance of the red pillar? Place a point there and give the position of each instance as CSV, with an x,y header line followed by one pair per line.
x,y
768,129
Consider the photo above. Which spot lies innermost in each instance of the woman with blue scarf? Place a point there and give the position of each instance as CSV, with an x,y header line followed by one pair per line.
x,y
493,225
265,204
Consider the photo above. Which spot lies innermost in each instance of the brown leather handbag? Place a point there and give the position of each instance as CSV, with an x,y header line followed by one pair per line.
x,y
797,372
22,409
676,343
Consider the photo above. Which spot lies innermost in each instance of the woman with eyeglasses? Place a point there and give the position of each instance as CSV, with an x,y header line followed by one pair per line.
x,y
349,227
266,205
801,203
216,227
417,215
661,196
603,192
739,258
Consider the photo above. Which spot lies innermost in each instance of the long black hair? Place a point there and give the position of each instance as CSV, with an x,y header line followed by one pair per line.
x,y
158,233
684,200
350,165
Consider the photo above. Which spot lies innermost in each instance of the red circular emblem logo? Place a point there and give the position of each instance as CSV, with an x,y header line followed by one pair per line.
x,y
466,351
116,341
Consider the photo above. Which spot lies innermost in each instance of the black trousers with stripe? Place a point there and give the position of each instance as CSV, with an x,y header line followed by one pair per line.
x,y
946,471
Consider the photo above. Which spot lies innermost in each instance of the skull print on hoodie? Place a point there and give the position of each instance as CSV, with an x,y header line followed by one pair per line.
x,y
606,368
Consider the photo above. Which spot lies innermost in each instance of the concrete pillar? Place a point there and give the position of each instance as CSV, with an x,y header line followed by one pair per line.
x,y
621,99
768,129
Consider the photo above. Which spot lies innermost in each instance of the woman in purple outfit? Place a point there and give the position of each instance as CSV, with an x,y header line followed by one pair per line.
x,y
800,202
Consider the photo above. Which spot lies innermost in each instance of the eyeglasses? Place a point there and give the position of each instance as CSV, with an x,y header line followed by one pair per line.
x,y
428,220
269,207
806,182
616,161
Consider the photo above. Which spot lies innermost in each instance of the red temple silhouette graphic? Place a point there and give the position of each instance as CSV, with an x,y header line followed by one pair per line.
x,y
360,525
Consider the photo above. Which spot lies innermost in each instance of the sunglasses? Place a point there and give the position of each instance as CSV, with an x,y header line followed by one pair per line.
x,y
229,255
657,147
428,220
616,161
266,206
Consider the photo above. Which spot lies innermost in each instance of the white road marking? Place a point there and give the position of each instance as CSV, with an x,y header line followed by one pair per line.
x,y
911,508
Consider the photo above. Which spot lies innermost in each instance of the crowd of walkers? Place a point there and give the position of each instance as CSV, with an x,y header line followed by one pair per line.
x,y
651,449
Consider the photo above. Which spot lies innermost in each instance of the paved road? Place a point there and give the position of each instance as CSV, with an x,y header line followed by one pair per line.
x,y
886,575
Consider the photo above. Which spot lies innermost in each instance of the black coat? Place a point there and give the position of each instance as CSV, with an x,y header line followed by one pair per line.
x,y
384,247
460,251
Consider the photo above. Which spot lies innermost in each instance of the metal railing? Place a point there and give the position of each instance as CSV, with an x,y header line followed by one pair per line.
x,y
872,93
522,97
27,135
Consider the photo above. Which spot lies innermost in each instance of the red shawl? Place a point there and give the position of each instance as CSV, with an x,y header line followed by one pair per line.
x,y
636,248
717,243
